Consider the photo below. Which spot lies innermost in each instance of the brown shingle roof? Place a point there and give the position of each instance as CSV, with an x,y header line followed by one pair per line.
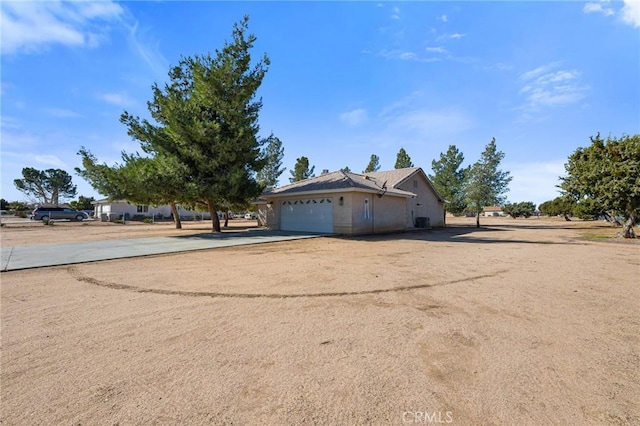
x,y
339,180
396,177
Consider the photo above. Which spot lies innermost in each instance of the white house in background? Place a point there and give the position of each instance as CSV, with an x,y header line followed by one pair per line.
x,y
109,210
351,203
493,211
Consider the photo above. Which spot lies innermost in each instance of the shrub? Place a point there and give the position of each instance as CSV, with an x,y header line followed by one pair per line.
x,y
147,220
48,222
118,221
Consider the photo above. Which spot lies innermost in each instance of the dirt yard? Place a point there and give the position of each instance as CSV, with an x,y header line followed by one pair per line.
x,y
519,322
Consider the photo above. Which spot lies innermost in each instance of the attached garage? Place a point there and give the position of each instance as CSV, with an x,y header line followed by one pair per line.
x,y
307,215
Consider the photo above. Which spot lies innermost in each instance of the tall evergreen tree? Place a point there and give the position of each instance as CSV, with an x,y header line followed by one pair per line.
x,y
208,119
301,170
273,153
374,164
487,183
449,178
403,160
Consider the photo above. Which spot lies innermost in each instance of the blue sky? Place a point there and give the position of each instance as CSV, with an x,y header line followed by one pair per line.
x,y
347,79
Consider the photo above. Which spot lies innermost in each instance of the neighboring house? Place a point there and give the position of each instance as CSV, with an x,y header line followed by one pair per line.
x,y
111,210
493,211
350,203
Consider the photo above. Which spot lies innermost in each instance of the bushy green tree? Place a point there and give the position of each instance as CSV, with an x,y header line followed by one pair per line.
x,y
346,169
142,180
450,178
403,160
559,206
487,184
208,122
608,172
17,206
588,209
521,209
374,164
46,186
301,170
82,203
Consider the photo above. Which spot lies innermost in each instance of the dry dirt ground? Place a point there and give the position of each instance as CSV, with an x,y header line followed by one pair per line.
x,y
519,322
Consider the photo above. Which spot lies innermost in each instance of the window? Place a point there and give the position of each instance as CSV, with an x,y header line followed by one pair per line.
x,y
415,183
142,209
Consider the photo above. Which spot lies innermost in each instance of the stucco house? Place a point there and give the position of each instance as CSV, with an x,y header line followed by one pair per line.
x,y
110,210
350,203
493,211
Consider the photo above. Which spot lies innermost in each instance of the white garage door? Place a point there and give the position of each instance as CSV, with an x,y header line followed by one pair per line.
x,y
310,215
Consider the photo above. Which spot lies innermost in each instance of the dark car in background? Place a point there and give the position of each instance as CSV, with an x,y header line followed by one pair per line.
x,y
53,213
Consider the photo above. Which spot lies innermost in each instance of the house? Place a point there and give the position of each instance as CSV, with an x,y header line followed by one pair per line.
x,y
350,203
109,210
493,211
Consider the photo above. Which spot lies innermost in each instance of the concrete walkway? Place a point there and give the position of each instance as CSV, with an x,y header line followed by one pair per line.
x,y
36,256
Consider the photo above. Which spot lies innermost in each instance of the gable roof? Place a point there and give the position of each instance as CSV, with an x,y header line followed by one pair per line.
x,y
397,177
337,182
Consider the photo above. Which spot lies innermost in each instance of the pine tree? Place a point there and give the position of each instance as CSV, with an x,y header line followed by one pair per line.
x,y
374,164
449,179
301,170
487,183
403,160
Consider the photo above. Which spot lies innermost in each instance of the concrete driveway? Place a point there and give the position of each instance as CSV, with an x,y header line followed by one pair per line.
x,y
36,256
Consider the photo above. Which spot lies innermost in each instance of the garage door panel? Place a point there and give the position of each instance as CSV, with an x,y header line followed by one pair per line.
x,y
310,215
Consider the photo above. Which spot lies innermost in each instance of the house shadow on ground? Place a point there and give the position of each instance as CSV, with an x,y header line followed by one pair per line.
x,y
461,234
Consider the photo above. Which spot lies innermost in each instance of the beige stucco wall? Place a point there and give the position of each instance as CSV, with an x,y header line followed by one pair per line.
x,y
389,214
269,215
425,204
385,214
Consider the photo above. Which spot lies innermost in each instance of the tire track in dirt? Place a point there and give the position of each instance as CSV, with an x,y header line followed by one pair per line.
x,y
73,271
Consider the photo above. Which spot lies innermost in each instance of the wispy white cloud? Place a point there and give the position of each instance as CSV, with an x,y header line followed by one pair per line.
x,y
436,49
598,7
50,160
396,13
33,26
631,12
355,117
117,99
545,88
61,113
148,50
442,18
450,36
425,122
406,55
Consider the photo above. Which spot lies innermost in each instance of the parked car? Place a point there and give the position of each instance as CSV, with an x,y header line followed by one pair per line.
x,y
52,213
250,216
